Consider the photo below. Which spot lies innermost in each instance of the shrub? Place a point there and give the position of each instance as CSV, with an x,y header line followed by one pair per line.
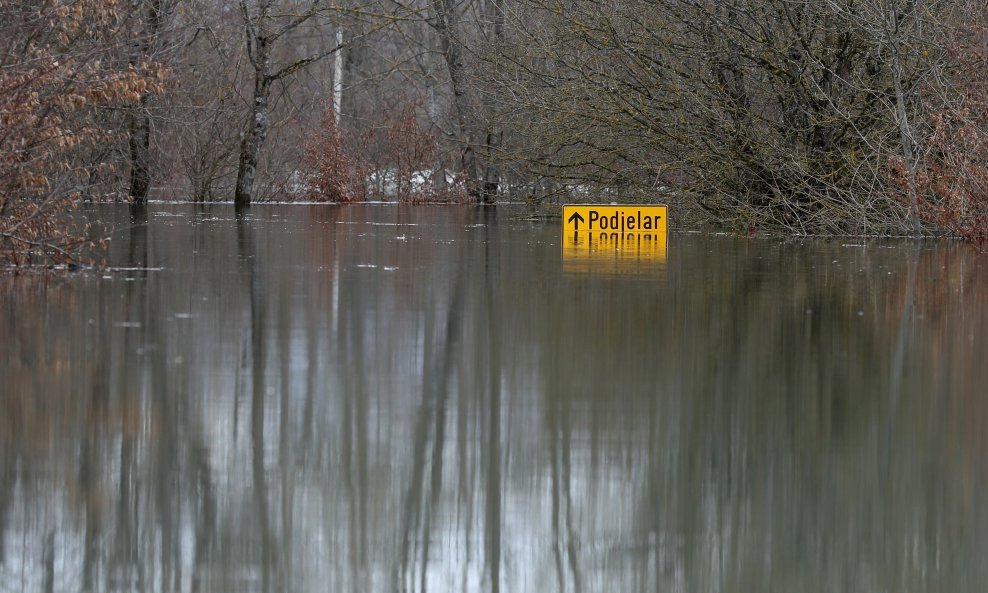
x,y
332,175
394,157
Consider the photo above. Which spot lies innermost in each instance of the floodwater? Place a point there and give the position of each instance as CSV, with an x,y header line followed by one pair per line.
x,y
377,398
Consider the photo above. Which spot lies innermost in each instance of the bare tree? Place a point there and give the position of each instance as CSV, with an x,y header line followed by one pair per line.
x,y
446,22
463,43
266,22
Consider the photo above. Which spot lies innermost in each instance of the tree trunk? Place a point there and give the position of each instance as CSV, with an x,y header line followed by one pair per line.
x,y
491,174
140,123
905,133
140,153
338,78
257,131
493,136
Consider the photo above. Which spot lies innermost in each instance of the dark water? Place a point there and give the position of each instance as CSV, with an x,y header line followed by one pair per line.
x,y
424,399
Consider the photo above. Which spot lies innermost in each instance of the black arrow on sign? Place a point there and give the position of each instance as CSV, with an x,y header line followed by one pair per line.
x,y
576,217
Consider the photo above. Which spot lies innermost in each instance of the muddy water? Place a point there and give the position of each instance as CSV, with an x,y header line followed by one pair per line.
x,y
375,398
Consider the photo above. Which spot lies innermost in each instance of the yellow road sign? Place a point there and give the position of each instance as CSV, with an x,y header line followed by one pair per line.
x,y
650,219
606,239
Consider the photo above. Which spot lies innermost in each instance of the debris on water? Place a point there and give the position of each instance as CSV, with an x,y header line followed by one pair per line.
x,y
127,324
390,268
378,223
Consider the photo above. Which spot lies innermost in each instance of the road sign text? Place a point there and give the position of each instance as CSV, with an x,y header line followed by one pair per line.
x,y
622,219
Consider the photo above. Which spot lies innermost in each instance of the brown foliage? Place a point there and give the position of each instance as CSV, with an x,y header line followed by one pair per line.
x,y
953,182
60,70
332,175
394,157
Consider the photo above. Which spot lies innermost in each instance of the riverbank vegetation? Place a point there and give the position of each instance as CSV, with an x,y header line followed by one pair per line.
x,y
796,116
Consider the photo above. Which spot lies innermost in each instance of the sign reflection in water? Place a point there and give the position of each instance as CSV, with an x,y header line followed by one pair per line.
x,y
377,399
602,252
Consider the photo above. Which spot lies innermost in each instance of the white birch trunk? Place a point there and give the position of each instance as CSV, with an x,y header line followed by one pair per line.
x,y
338,76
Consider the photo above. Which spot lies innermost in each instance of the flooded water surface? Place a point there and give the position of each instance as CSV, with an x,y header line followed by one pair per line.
x,y
378,398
